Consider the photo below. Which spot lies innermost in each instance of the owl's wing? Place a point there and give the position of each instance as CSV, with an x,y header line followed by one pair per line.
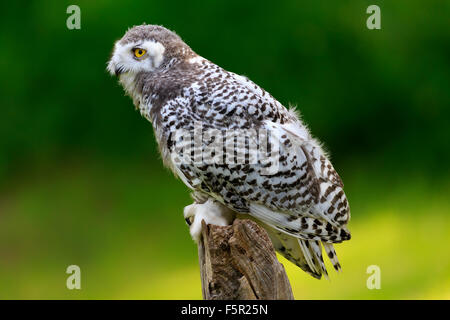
x,y
315,217
302,197
302,200
306,183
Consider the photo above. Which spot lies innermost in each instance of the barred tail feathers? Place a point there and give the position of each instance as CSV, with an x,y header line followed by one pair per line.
x,y
294,250
297,247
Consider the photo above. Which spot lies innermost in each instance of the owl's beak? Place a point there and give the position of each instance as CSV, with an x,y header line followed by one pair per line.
x,y
114,69
118,71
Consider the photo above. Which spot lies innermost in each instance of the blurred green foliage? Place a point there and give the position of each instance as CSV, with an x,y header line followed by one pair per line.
x,y
81,182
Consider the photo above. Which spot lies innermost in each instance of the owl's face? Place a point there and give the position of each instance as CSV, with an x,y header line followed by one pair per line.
x,y
134,57
146,48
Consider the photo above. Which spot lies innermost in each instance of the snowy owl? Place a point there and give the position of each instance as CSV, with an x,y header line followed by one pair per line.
x,y
238,149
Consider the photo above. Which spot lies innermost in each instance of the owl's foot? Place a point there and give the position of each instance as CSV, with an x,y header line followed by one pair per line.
x,y
211,211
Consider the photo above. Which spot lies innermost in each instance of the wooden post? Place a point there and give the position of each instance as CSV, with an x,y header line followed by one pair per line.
x,y
239,262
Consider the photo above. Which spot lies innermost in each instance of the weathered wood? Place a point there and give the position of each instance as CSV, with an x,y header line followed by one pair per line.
x,y
239,262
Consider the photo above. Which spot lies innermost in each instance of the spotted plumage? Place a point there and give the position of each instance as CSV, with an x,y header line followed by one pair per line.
x,y
301,204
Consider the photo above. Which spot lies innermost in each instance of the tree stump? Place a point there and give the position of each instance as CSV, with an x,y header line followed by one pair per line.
x,y
239,262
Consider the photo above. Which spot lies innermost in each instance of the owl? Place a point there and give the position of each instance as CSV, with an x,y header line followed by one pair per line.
x,y
240,151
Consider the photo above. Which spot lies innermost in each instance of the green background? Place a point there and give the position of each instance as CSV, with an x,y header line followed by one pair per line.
x,y
81,181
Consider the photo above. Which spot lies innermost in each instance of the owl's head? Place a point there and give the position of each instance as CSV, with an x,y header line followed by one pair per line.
x,y
146,48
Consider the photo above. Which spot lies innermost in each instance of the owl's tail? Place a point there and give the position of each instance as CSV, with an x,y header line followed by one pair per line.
x,y
301,240
307,254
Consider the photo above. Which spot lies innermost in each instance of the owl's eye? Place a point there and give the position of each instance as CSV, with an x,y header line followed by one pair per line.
x,y
139,52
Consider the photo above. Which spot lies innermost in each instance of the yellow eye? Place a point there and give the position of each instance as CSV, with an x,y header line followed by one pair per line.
x,y
139,52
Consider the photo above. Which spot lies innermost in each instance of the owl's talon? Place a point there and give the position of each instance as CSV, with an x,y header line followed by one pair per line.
x,y
212,212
